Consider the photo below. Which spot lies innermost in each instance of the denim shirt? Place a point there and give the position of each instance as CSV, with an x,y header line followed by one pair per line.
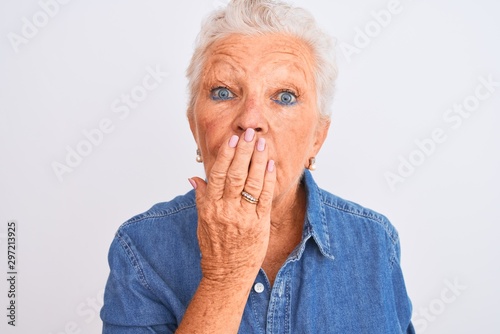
x,y
344,276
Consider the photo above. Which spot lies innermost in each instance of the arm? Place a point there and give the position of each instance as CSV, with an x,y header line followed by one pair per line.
x,y
216,308
127,295
403,303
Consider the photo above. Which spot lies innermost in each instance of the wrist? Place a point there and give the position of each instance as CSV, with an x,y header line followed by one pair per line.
x,y
227,289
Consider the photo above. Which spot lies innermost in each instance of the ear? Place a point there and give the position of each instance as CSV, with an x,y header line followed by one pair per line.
x,y
321,133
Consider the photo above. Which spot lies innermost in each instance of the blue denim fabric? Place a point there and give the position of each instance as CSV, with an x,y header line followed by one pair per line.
x,y
344,276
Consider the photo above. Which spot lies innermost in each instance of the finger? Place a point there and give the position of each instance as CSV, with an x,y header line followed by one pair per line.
x,y
217,175
199,186
255,179
238,170
202,231
267,193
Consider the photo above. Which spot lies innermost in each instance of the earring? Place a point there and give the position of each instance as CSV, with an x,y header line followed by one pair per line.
x,y
312,164
199,159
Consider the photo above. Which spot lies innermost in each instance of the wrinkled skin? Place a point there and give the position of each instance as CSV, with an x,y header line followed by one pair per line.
x,y
256,124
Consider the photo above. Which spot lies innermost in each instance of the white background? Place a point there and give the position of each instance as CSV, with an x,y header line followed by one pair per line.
x,y
395,90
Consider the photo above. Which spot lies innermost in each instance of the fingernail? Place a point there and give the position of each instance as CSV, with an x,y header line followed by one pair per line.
x,y
270,166
193,184
233,141
249,133
261,144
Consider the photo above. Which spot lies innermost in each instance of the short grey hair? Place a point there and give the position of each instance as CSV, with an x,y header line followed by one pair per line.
x,y
257,17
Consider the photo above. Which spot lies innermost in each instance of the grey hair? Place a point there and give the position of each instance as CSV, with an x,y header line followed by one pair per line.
x,y
257,17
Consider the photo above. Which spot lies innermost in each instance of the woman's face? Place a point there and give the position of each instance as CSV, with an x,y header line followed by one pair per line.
x,y
266,83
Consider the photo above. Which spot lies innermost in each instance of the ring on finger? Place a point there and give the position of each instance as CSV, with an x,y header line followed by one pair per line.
x,y
249,198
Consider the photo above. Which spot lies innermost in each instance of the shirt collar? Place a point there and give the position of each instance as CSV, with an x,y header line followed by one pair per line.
x,y
315,224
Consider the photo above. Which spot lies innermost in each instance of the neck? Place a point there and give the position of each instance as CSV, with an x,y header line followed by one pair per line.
x,y
287,222
288,211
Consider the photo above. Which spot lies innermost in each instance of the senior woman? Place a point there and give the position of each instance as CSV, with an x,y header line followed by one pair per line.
x,y
258,247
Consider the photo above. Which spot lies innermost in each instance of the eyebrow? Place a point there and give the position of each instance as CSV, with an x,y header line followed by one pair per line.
x,y
223,70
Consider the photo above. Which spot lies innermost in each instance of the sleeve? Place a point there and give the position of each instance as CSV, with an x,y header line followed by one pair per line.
x,y
403,303
130,306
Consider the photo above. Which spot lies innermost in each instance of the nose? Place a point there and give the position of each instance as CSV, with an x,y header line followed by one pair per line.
x,y
250,114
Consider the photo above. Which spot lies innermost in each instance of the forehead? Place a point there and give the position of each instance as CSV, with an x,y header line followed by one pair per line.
x,y
255,53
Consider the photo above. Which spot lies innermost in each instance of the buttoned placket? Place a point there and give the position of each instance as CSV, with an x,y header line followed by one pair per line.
x,y
278,316
279,310
259,300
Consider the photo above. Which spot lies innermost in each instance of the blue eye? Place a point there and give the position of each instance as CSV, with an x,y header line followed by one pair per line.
x,y
286,98
221,94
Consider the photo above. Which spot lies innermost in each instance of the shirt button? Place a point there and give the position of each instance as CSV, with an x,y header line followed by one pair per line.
x,y
259,287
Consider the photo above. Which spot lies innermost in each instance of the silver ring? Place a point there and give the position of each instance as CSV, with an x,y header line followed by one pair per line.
x,y
249,198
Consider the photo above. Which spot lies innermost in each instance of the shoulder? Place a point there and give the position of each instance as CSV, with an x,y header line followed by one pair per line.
x,y
165,210
171,212
357,214
170,223
355,227
170,227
